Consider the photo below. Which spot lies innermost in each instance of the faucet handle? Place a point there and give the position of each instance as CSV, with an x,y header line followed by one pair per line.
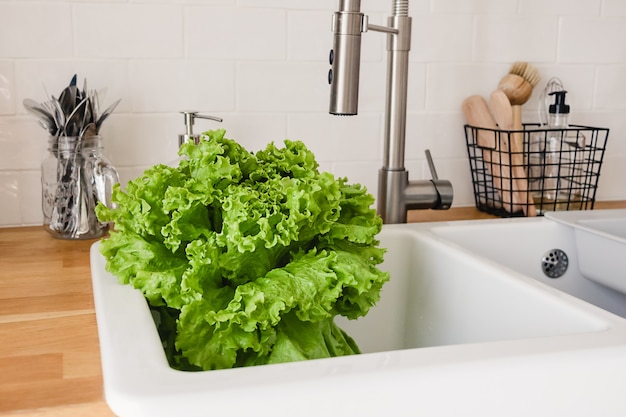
x,y
443,188
190,117
431,165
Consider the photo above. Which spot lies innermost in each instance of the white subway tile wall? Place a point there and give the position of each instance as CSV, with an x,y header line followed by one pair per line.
x,y
262,66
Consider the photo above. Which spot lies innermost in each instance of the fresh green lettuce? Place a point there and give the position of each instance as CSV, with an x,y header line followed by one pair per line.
x,y
246,258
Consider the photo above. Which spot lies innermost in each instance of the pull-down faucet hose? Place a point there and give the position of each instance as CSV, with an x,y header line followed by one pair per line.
x,y
400,8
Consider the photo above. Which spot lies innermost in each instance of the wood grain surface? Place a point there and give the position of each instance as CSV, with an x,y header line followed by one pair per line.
x,y
49,355
49,351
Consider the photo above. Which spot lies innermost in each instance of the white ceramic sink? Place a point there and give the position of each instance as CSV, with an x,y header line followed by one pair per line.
x,y
466,326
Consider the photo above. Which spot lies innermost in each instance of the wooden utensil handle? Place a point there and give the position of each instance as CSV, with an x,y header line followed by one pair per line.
x,y
477,114
517,160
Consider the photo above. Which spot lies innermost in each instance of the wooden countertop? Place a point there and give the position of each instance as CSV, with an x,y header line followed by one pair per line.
x,y
49,354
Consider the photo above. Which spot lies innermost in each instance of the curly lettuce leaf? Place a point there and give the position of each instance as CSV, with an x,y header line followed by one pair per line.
x,y
249,256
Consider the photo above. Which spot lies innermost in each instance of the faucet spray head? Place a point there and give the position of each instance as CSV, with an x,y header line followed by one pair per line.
x,y
345,58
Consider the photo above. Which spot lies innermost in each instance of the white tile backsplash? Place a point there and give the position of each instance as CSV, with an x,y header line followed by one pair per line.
x,y
355,139
128,30
175,85
592,39
254,130
561,7
613,8
23,143
448,83
509,38
442,38
440,132
7,88
142,139
29,202
230,33
281,86
10,197
290,4
474,6
262,65
607,96
35,29
305,40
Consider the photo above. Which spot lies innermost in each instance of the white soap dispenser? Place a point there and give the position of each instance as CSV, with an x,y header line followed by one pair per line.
x,y
190,117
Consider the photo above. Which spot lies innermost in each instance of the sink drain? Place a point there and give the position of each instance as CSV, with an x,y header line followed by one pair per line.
x,y
554,263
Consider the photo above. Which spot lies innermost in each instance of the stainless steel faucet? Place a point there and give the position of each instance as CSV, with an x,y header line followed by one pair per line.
x,y
396,194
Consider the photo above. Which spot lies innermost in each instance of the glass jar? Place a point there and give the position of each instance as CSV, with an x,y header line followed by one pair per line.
x,y
75,177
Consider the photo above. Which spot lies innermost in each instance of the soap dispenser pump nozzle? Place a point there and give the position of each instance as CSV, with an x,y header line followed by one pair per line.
x,y
190,117
559,106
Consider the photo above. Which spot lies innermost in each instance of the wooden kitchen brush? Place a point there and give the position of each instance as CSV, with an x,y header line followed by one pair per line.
x,y
518,86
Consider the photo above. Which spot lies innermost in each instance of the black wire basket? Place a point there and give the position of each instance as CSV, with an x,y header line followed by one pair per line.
x,y
528,172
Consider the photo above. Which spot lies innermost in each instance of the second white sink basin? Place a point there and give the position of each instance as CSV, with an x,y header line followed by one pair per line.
x,y
522,244
601,244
